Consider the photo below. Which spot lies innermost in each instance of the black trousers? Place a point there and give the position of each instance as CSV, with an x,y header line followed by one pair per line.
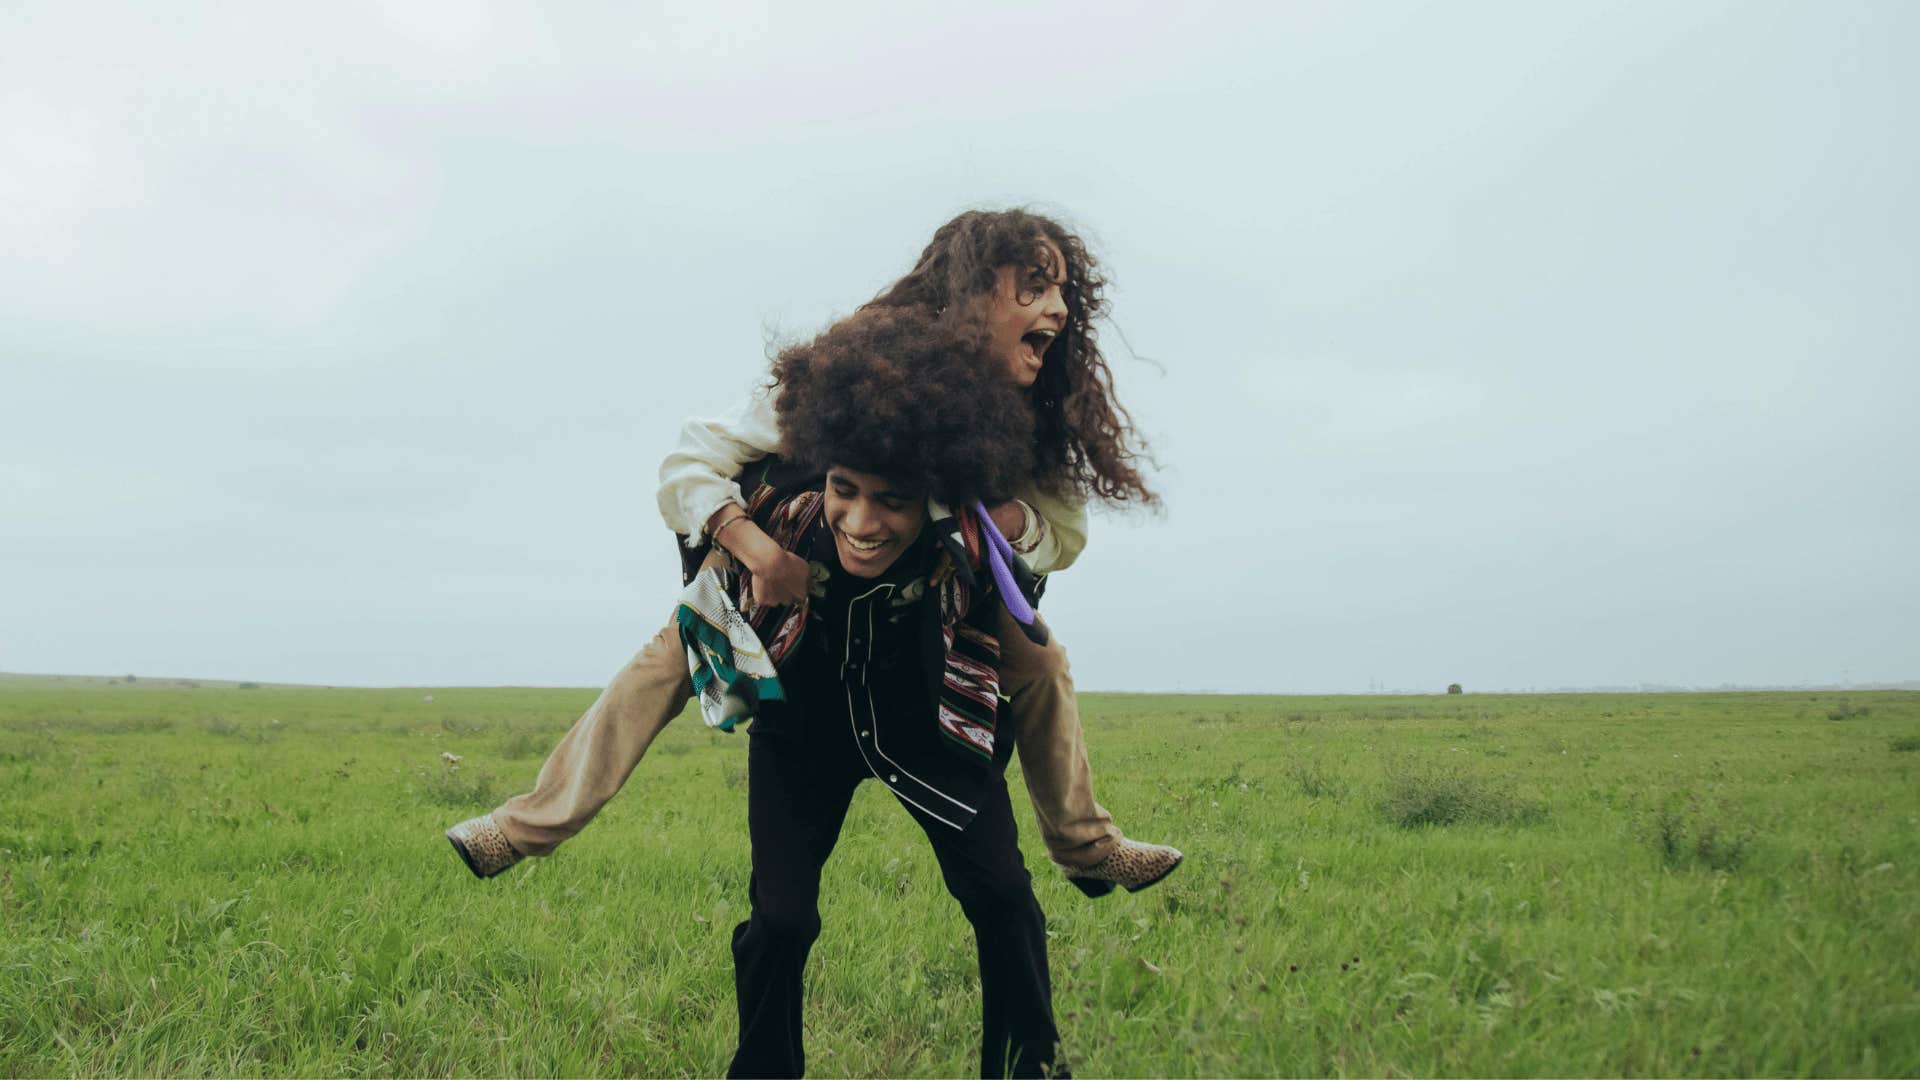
x,y
798,791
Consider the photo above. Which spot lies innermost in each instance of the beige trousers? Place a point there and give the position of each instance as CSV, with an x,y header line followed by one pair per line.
x,y
595,757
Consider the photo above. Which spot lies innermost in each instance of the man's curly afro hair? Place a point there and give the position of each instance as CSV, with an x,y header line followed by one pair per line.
x,y
893,392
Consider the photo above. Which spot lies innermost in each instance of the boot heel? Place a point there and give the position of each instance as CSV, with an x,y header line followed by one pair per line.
x,y
1094,887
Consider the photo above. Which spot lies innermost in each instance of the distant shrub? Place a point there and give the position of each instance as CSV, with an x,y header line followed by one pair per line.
x,y
1686,837
1454,688
1848,712
1905,744
249,686
1423,795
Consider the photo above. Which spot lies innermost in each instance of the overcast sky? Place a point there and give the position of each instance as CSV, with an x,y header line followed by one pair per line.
x,y
1514,344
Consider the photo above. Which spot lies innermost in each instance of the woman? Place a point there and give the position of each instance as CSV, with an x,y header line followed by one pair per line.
x,y
1028,291
885,663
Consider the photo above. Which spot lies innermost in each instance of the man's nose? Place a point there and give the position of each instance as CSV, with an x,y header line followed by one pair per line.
x,y
856,520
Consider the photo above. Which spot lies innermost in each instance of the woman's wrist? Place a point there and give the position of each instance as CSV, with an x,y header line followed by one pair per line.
x,y
735,531
1010,518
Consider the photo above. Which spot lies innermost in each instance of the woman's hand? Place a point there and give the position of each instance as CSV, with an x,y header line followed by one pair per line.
x,y
1010,518
780,580
779,576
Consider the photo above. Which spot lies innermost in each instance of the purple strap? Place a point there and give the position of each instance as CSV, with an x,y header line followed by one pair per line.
x,y
999,554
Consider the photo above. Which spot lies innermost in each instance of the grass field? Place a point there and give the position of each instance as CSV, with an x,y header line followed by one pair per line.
x,y
215,880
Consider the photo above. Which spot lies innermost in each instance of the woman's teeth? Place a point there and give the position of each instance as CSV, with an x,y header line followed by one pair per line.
x,y
864,545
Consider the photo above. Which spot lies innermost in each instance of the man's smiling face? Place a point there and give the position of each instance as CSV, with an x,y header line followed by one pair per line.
x,y
874,519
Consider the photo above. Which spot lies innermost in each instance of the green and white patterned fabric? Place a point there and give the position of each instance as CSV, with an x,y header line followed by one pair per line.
x,y
732,673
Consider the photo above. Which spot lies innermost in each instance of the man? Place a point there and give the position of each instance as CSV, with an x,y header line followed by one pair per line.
x,y
887,669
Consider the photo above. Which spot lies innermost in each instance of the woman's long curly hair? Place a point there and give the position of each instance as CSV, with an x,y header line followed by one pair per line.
x,y
1085,441
897,393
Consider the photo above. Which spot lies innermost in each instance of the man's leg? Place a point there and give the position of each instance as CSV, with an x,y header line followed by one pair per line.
x,y
984,871
795,807
1053,752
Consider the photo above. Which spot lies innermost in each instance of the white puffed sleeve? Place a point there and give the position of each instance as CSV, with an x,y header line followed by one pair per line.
x,y
698,475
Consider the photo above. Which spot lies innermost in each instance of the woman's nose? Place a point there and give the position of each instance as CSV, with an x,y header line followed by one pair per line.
x,y
1056,303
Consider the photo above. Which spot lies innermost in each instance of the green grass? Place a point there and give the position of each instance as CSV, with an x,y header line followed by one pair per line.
x,y
214,880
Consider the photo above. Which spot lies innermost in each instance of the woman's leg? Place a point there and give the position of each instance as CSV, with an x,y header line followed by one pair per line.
x,y
1079,833
592,761
595,757
1053,752
795,807
589,765
984,871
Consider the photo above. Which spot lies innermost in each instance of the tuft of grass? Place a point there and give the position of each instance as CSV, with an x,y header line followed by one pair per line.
x,y
450,785
456,725
228,728
522,743
1686,837
1420,795
1846,711
1315,782
134,725
1905,744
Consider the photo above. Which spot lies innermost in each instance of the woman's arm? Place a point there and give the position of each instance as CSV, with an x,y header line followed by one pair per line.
x,y
697,478
700,497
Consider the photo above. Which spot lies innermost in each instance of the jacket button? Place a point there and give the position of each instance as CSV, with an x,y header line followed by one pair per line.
x,y
893,778
864,734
